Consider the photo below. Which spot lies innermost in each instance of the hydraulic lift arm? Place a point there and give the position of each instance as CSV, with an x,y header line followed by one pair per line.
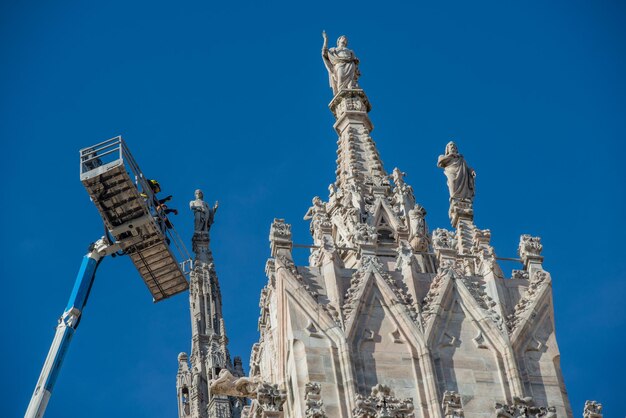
x,y
67,325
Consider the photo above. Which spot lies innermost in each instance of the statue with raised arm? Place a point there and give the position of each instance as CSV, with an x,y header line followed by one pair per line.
x,y
342,65
461,183
203,213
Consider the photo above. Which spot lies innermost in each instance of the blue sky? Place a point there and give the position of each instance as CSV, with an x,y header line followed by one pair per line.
x,y
232,98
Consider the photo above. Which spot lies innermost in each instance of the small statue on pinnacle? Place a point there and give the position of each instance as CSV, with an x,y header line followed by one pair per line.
x,y
461,178
341,63
203,219
203,213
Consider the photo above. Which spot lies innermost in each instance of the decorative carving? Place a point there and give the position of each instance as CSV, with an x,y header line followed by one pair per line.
x,y
454,270
371,263
447,271
270,397
270,271
342,65
443,239
485,301
264,304
255,356
451,405
365,234
524,408
480,240
280,237
535,286
529,245
228,385
381,404
401,292
451,268
313,401
519,274
402,193
593,409
460,209
350,299
405,255
280,230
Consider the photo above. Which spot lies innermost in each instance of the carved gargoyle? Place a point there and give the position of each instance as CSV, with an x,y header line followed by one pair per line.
x,y
228,385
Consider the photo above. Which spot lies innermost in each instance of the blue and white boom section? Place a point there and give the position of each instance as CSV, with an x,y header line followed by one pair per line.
x,y
68,322
136,225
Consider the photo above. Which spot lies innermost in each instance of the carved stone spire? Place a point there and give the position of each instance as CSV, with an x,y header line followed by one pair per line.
x,y
209,352
369,211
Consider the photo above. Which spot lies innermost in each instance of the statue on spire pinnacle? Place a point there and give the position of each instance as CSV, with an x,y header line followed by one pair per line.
x,y
203,213
461,183
203,219
341,63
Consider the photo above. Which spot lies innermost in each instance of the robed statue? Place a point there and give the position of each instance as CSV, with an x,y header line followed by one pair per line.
x,y
203,214
342,65
461,178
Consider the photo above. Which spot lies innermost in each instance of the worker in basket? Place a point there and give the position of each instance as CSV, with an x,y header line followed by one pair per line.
x,y
161,207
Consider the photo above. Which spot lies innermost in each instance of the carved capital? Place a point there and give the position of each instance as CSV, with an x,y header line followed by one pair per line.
x,y
350,100
270,397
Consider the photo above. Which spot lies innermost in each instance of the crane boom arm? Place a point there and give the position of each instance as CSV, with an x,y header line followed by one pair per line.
x,y
68,322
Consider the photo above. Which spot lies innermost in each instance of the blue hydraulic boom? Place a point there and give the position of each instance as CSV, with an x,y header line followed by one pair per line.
x,y
136,225
68,322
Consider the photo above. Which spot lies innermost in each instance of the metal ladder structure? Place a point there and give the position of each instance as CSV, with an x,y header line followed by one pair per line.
x,y
131,214
136,225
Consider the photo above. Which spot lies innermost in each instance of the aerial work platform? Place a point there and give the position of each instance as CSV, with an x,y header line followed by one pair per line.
x,y
133,216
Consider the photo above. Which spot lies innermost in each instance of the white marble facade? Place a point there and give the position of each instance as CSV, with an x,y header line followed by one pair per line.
x,y
389,319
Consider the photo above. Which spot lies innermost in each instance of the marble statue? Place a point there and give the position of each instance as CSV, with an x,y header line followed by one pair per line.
x,y
342,65
203,213
460,176
418,229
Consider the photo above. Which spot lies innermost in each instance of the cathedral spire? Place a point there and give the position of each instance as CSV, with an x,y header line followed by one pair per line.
x,y
358,163
209,351
371,210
